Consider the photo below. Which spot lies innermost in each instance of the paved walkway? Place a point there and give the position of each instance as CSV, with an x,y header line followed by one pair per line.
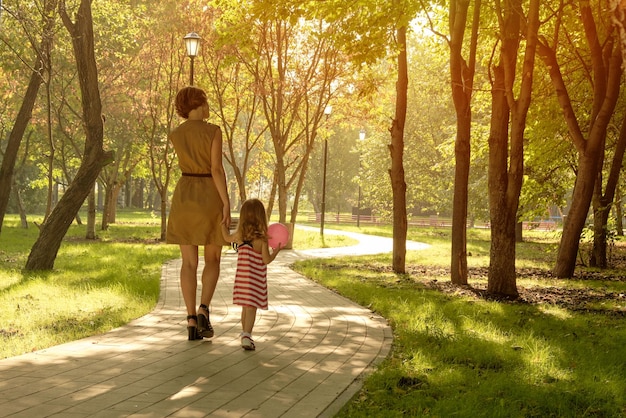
x,y
313,349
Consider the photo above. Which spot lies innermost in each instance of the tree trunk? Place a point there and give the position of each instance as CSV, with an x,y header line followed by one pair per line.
x,y
396,148
619,18
91,214
602,202
577,216
164,215
111,195
281,188
52,148
462,81
619,224
25,112
606,79
519,231
105,209
501,275
600,231
45,249
20,207
506,142
591,151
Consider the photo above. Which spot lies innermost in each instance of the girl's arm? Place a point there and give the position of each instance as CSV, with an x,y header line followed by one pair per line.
x,y
219,176
228,237
265,252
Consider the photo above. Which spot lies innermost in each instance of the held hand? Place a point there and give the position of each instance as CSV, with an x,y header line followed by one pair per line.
x,y
226,216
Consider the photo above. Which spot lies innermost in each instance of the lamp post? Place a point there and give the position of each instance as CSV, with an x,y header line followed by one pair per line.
x,y
192,43
358,204
327,111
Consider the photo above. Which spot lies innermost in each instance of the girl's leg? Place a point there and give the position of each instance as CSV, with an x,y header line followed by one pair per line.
x,y
248,316
188,278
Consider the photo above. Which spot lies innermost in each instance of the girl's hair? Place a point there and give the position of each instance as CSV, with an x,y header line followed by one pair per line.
x,y
188,99
252,220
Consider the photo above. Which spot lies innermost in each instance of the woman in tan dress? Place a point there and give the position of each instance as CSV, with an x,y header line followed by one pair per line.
x,y
200,205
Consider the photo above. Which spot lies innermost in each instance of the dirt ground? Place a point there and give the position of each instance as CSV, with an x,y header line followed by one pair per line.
x,y
542,289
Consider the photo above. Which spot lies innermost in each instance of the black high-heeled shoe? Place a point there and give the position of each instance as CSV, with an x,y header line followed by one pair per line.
x,y
192,330
204,324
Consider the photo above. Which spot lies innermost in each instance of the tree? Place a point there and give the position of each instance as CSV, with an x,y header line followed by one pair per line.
x,y
24,115
238,107
396,149
605,72
602,202
156,76
506,138
45,249
118,49
619,18
296,68
462,83
155,114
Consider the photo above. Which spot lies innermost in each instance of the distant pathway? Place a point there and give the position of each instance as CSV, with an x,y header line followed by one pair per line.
x,y
367,245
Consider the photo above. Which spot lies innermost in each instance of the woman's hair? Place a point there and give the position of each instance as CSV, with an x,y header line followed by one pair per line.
x,y
188,99
252,220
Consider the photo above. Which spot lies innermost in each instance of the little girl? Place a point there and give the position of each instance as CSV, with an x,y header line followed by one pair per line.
x,y
253,256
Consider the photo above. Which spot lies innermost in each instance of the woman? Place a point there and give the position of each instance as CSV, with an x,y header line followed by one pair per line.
x,y
200,205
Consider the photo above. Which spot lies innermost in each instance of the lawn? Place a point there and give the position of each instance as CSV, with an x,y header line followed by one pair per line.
x,y
558,351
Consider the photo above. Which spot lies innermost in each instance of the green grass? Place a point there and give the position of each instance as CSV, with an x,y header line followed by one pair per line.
x,y
95,286
460,355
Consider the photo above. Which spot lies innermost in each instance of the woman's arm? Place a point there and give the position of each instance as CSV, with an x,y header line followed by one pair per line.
x,y
219,176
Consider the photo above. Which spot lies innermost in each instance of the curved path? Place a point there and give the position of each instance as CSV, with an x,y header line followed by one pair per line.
x,y
313,348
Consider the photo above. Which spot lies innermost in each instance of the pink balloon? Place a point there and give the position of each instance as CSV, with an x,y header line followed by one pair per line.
x,y
277,235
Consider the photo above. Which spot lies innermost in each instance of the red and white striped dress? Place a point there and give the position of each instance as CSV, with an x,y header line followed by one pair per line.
x,y
251,278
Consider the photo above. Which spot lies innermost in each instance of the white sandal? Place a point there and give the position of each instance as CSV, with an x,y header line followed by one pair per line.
x,y
247,343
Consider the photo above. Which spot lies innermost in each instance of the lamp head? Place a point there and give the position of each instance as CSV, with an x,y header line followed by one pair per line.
x,y
192,43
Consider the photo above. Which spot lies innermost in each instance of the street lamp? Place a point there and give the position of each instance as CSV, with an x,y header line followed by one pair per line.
x,y
192,43
358,205
327,111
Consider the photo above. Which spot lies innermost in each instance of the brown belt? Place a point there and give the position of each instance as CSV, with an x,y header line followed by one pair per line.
x,y
197,175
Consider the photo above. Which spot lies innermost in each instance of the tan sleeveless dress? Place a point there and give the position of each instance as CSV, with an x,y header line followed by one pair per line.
x,y
196,210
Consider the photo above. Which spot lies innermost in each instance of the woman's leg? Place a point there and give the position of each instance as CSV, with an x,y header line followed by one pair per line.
x,y
211,272
189,278
210,275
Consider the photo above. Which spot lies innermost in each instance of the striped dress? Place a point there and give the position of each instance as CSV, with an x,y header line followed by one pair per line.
x,y
250,279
